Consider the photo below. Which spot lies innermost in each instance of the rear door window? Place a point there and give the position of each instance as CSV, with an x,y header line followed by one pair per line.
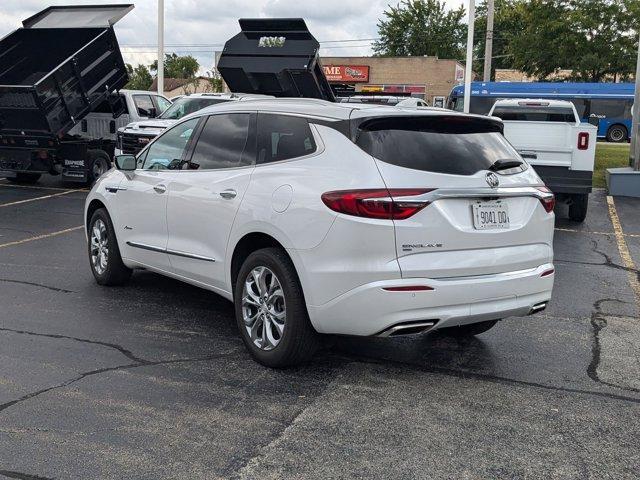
x,y
438,144
535,114
282,137
225,142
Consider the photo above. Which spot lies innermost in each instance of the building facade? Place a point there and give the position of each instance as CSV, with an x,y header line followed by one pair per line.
x,y
430,78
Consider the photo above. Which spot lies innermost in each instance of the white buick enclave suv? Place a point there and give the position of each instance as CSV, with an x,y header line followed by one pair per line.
x,y
317,217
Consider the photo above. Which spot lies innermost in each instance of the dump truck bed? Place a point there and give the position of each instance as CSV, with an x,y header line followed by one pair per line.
x,y
53,71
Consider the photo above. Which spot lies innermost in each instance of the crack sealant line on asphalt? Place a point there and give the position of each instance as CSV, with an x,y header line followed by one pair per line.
x,y
40,237
627,260
44,197
40,187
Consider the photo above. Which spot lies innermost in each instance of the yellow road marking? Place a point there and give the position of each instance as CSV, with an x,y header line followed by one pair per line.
x,y
28,200
40,237
573,230
624,249
40,187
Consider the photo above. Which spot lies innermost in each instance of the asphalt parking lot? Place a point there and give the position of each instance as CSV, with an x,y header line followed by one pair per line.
x,y
151,381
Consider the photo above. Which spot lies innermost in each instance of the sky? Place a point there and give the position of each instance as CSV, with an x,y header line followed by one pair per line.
x,y
199,27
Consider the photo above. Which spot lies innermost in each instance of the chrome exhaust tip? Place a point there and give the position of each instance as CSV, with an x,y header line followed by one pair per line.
x,y
409,328
538,307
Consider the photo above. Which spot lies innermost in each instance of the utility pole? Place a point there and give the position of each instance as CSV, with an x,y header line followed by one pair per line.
x,y
160,47
634,152
469,66
488,46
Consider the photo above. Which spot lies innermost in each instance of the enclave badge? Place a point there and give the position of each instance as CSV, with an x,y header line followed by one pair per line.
x,y
492,179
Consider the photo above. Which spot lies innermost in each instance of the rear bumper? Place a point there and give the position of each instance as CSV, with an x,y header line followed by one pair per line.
x,y
369,310
564,180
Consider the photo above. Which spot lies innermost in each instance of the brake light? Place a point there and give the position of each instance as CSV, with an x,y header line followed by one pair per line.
x,y
583,141
548,202
380,203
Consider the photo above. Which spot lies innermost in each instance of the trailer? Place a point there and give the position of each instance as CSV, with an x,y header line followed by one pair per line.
x,y
61,65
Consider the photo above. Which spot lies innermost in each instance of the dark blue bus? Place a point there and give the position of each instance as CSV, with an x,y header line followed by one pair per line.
x,y
606,105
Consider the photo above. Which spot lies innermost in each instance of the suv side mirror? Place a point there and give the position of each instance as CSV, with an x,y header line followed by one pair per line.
x,y
153,113
126,163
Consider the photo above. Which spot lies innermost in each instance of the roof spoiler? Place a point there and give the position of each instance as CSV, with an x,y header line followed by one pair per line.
x,y
276,56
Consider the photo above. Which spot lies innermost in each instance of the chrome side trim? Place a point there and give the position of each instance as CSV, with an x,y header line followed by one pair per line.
x,y
177,253
147,247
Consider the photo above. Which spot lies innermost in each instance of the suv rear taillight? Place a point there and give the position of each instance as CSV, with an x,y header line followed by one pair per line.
x,y
583,141
380,203
548,202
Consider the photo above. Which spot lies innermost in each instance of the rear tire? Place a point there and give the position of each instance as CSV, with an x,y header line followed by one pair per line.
x,y
99,163
468,330
617,134
578,207
271,312
104,255
22,178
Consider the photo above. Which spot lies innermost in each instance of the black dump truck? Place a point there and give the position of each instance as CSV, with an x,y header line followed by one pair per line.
x,y
274,56
61,65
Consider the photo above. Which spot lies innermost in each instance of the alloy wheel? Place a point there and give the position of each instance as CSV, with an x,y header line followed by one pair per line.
x,y
263,308
99,246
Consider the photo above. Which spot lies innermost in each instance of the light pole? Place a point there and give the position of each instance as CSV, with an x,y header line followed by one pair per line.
x,y
160,47
469,65
635,131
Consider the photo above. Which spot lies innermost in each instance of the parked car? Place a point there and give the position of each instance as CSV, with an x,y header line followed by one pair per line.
x,y
420,221
60,111
562,150
136,135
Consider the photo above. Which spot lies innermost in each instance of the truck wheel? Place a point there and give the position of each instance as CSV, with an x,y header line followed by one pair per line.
x,y
99,164
578,207
468,330
25,178
617,134
271,312
104,255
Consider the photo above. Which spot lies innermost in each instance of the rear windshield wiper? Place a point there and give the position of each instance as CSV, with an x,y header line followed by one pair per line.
x,y
504,164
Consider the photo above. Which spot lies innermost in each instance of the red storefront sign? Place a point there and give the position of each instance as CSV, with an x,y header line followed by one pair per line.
x,y
347,73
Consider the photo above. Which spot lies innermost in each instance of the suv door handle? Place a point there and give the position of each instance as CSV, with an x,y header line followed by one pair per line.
x,y
228,194
160,188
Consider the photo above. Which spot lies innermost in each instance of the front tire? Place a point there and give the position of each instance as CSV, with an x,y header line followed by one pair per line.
x,y
271,312
468,330
23,178
104,255
578,207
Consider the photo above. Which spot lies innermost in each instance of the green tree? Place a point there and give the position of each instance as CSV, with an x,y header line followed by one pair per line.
x,y
176,66
139,77
595,38
421,27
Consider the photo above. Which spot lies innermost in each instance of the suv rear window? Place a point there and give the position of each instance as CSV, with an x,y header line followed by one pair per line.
x,y
439,144
535,114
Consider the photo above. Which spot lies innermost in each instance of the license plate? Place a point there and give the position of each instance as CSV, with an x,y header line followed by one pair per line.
x,y
490,215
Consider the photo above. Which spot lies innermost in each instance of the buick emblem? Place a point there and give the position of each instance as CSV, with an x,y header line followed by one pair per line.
x,y
492,179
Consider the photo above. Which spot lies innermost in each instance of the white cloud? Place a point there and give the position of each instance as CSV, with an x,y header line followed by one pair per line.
x,y
214,21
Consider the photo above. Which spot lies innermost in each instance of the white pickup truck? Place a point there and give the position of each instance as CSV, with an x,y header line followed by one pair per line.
x,y
561,149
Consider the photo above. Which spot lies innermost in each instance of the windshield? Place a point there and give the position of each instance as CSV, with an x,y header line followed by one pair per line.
x,y
185,106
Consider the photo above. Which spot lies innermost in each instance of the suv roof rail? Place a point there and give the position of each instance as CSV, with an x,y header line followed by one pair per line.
x,y
274,56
